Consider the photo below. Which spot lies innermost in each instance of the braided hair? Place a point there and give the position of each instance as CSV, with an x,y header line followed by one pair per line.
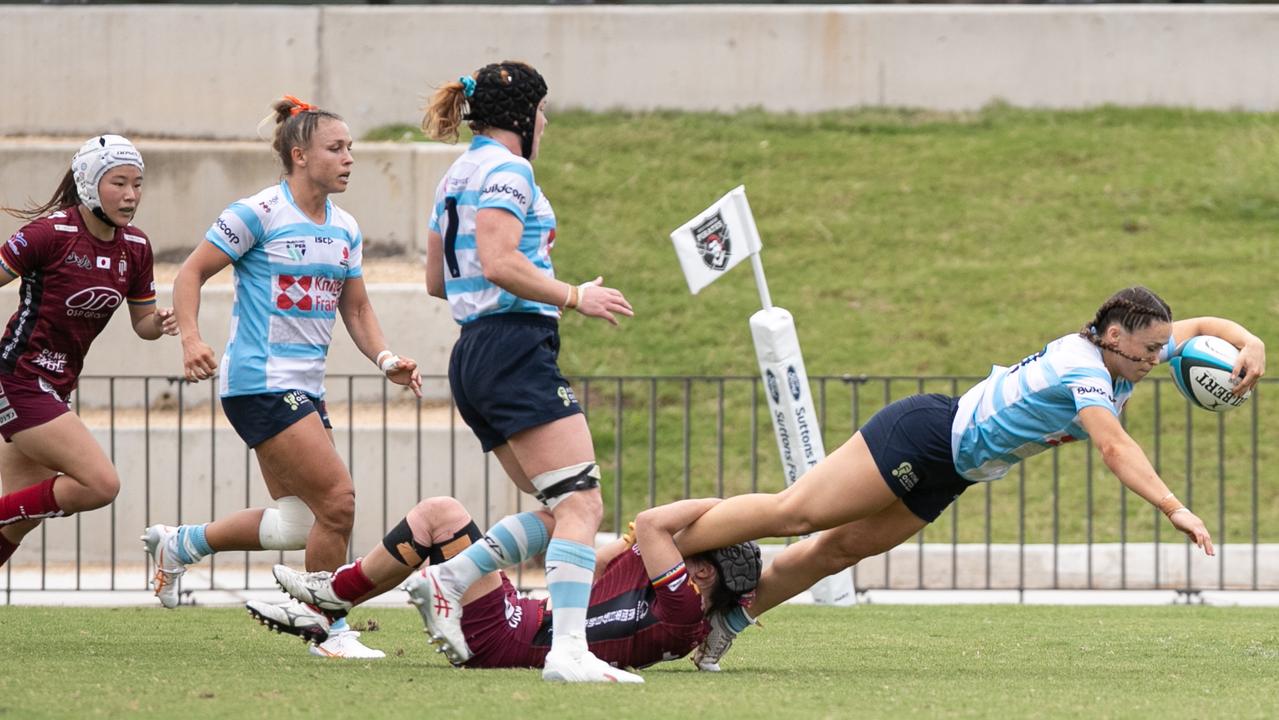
x,y
1132,309
502,95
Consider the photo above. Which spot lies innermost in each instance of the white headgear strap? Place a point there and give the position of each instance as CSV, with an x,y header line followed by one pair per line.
x,y
94,159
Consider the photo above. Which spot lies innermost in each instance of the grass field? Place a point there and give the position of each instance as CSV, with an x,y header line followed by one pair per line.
x,y
866,662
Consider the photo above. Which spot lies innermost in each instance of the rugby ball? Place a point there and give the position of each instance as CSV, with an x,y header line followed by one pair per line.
x,y
1201,370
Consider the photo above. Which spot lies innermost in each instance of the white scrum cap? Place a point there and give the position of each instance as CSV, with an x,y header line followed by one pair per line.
x,y
95,158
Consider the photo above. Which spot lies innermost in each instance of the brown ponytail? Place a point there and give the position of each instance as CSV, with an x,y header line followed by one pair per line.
x,y
444,112
64,197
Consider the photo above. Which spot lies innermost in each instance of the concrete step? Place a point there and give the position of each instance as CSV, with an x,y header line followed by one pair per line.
x,y
415,325
188,183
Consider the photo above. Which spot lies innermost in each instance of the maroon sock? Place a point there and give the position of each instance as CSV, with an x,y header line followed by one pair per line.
x,y
6,549
30,503
350,583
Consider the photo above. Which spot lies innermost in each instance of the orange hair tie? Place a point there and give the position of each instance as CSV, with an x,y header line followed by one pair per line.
x,y
299,106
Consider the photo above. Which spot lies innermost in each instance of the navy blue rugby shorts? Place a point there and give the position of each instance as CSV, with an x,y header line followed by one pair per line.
x,y
504,376
258,418
910,441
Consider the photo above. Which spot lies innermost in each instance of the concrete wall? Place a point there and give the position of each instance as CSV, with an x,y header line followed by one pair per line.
x,y
210,72
189,183
416,325
210,469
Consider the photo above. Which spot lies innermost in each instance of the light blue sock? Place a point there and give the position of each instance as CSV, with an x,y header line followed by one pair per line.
x,y
191,545
738,619
338,627
514,539
570,568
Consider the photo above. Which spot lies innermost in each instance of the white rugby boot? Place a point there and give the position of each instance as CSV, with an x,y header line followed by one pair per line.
x,y
715,646
346,645
582,666
161,542
312,588
293,617
441,608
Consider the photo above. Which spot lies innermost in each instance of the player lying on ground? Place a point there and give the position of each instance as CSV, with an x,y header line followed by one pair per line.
x,y
647,603
915,457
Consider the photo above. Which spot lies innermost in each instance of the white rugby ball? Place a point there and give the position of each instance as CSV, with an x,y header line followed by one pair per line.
x,y
1201,371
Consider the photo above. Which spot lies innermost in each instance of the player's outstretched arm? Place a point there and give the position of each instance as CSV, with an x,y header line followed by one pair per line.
x,y
1129,463
655,531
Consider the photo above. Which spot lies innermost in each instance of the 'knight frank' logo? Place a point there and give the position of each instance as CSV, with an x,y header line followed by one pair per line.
x,y
713,243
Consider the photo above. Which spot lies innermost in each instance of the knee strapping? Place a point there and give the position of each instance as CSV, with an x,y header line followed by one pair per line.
x,y
555,485
460,541
402,546
286,526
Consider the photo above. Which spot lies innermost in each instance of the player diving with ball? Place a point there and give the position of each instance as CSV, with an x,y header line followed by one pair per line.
x,y
914,457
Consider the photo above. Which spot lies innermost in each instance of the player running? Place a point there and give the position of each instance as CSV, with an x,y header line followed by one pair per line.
x,y
915,456
297,260
489,255
647,603
77,264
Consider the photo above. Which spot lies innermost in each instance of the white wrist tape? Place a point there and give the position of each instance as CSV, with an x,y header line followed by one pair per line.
x,y
387,360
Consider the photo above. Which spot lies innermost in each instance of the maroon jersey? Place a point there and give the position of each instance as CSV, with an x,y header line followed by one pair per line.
x,y
72,282
633,621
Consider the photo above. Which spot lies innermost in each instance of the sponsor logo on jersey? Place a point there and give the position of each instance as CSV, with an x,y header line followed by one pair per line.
x,y
905,474
95,302
227,232
296,249
1084,391
122,268
81,261
1059,438
65,228
16,242
346,258
55,362
713,242
504,189
307,293
514,614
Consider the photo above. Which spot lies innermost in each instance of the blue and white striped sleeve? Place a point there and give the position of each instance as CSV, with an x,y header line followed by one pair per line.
x,y
1090,386
508,186
236,230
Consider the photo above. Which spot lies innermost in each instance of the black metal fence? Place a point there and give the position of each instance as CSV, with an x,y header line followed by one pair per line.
x,y
1058,521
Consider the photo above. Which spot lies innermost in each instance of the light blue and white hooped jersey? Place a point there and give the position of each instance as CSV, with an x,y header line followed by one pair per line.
x,y
488,175
1023,410
289,274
